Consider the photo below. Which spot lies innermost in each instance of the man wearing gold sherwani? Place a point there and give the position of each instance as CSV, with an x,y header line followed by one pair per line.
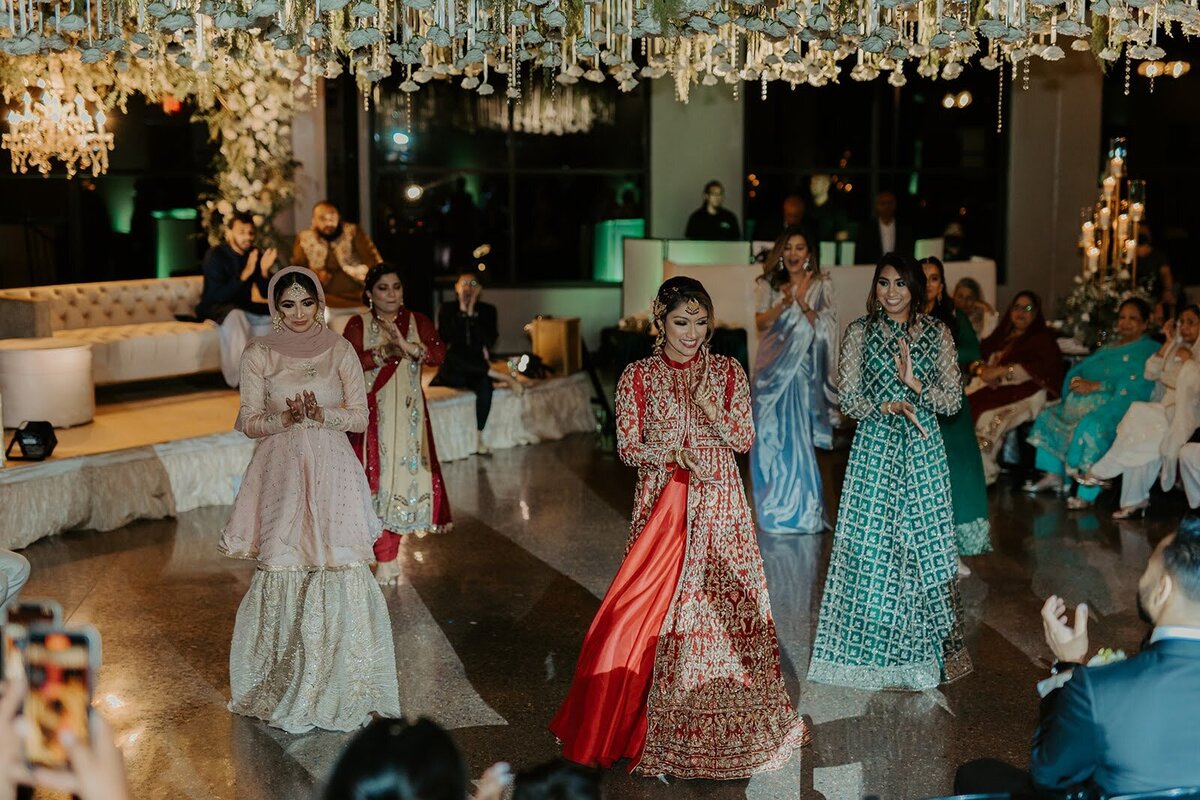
x,y
340,253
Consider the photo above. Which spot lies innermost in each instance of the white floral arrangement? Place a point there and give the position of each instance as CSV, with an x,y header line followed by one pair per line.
x,y
1089,312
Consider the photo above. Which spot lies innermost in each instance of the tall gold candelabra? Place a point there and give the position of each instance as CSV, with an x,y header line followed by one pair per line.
x,y
1109,229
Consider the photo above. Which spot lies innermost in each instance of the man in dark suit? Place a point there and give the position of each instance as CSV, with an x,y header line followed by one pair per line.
x,y
469,327
1124,727
883,233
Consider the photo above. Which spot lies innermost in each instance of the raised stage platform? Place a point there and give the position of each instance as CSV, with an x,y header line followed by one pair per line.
x,y
149,459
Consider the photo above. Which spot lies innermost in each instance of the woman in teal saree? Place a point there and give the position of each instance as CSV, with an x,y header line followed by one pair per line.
x,y
1074,433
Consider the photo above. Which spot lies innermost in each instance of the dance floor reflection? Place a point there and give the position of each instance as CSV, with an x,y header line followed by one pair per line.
x,y
489,619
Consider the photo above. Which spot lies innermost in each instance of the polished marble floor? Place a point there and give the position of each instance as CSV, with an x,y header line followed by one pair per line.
x,y
489,619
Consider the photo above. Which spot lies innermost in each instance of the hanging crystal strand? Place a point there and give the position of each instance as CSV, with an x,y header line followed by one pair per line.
x,y
629,35
1025,72
608,25
1128,71
733,63
1000,101
88,6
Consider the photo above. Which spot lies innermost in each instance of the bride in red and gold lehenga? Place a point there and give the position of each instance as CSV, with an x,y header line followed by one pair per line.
x,y
680,669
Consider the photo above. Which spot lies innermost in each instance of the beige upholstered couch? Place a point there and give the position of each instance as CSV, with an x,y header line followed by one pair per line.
x,y
131,325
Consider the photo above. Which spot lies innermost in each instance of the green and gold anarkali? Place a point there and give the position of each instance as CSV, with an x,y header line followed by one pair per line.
x,y
891,616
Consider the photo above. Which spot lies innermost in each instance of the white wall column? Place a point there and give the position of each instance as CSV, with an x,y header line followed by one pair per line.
x,y
690,144
308,146
1054,163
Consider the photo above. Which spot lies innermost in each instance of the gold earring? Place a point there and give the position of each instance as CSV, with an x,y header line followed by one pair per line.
x,y
277,323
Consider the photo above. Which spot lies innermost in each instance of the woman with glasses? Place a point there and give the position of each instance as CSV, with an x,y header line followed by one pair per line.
x,y
1151,434
1020,369
1070,436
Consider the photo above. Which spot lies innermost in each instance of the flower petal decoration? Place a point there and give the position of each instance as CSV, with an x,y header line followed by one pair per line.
x,y
364,37
993,28
176,21
263,8
71,23
324,6
364,9
158,9
228,20
554,18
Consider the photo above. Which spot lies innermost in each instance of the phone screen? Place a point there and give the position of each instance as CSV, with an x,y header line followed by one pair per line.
x,y
20,618
59,664
23,616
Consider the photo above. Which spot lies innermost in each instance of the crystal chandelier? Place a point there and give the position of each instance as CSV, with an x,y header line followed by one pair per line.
x,y
547,112
51,128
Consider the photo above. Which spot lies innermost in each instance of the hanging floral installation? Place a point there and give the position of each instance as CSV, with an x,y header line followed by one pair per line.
x,y
248,103
479,43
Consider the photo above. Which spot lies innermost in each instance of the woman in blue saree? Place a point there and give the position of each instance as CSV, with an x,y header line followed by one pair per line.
x,y
793,392
1071,435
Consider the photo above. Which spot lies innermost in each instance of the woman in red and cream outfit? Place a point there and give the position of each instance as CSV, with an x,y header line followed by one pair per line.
x,y
397,450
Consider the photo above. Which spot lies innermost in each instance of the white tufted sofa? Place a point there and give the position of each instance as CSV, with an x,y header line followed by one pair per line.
x,y
131,325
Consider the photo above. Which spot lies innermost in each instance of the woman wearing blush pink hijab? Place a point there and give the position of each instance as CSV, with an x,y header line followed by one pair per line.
x,y
312,644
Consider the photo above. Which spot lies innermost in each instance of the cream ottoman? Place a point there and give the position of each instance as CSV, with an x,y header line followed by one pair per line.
x,y
48,379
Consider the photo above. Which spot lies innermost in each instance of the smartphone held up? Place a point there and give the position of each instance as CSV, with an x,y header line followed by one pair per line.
x,y
61,665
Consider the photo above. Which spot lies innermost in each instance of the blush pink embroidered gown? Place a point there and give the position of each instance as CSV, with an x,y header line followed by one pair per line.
x,y
312,644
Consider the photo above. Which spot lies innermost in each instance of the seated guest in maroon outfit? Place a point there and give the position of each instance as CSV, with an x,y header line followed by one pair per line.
x,y
1021,369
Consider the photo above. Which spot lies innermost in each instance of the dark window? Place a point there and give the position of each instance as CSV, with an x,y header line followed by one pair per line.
x,y
1160,120
946,165
522,187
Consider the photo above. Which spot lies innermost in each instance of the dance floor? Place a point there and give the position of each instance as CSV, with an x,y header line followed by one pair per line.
x,y
489,620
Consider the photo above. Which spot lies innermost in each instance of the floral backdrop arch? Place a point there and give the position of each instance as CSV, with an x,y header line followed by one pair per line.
x,y
248,104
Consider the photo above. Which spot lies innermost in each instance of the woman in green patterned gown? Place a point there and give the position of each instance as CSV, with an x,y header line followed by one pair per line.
x,y
890,616
968,487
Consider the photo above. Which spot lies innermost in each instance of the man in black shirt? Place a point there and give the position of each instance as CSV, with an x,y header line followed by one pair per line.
x,y
235,292
469,328
711,222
